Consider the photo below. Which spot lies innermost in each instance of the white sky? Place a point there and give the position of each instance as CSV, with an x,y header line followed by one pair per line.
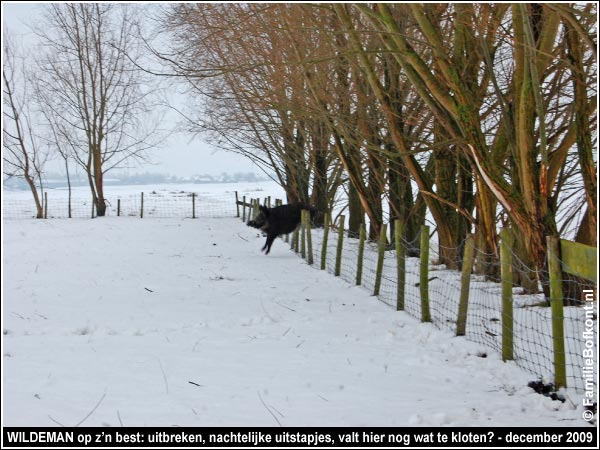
x,y
178,156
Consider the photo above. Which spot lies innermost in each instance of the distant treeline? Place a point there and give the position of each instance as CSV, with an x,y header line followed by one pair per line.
x,y
55,180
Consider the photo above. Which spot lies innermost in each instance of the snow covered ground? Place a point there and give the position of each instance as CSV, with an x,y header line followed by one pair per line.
x,y
122,321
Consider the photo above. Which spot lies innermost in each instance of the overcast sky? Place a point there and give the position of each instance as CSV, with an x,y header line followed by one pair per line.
x,y
178,156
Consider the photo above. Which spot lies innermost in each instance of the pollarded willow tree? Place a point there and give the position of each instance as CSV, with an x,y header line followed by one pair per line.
x,y
482,113
498,79
236,63
94,92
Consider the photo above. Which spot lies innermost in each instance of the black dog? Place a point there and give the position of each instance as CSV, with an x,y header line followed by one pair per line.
x,y
279,220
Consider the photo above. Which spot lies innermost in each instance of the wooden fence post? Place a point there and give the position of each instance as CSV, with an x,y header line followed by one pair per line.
x,y
118,207
193,205
303,234
309,249
45,205
237,204
296,240
506,241
424,279
400,264
340,245
362,235
556,302
324,244
380,256
142,207
465,285
244,208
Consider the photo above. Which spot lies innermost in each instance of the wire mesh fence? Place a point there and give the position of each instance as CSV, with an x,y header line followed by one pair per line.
x,y
158,204
533,338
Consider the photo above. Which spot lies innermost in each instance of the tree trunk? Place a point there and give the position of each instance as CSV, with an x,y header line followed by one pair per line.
x,y
355,211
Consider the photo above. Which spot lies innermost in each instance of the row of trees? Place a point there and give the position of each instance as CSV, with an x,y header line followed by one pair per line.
x,y
481,114
79,94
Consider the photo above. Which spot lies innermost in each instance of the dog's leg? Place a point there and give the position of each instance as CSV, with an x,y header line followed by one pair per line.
x,y
269,243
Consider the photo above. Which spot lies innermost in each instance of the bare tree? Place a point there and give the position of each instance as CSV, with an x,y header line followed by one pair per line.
x,y
24,151
94,90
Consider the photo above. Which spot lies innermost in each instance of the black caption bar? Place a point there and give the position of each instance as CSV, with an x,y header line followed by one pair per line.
x,y
14,437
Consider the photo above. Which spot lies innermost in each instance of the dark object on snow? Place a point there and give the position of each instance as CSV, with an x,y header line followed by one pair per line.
x,y
279,220
547,390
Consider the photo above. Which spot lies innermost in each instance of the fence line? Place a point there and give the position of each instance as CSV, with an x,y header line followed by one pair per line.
x,y
526,328
159,204
494,313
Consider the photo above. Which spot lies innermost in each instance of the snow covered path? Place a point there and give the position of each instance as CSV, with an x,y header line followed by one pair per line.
x,y
184,322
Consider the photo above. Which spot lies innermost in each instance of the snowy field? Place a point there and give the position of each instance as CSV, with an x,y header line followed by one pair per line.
x,y
183,322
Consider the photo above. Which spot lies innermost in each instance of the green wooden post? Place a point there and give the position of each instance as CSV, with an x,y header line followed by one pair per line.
x,y
293,241
362,235
324,244
380,256
256,208
118,207
309,248
400,264
142,207
45,205
556,302
303,234
193,205
424,281
296,240
340,245
237,204
506,241
579,259
465,285
244,208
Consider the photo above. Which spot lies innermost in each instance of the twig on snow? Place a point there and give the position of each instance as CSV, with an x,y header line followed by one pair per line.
x,y
268,409
55,421
267,313
92,411
164,375
286,307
